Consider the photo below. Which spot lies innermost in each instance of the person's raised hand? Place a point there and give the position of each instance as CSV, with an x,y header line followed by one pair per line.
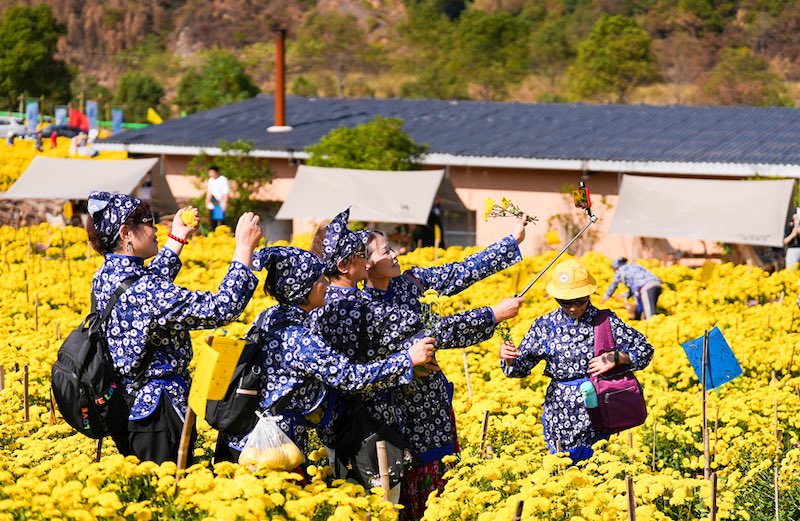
x,y
519,228
422,351
185,223
507,308
508,352
248,235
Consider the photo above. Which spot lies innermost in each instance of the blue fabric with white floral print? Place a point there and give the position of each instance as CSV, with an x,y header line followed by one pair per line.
x,y
427,401
109,211
634,277
155,315
339,242
293,270
567,345
366,330
300,364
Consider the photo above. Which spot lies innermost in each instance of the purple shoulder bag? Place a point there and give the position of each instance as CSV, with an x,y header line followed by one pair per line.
x,y
620,398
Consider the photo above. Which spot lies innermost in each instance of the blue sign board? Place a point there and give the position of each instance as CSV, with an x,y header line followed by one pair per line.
x,y
61,115
91,114
721,366
31,116
116,120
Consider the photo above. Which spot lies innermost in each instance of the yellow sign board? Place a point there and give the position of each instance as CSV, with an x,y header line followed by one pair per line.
x,y
213,372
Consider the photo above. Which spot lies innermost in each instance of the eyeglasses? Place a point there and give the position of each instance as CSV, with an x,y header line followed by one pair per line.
x,y
578,302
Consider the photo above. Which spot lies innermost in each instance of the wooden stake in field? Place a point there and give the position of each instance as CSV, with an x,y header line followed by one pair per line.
x,y
383,468
655,434
466,375
36,312
518,514
631,499
706,454
2,378
777,503
58,333
482,453
52,409
25,396
183,446
712,514
630,439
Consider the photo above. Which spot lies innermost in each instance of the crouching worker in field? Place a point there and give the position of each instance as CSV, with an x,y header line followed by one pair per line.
x,y
565,340
148,328
301,373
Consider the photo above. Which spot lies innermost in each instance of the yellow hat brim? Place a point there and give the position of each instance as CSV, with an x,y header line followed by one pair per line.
x,y
570,293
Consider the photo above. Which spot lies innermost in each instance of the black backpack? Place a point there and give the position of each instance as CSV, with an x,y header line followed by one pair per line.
x,y
236,413
87,390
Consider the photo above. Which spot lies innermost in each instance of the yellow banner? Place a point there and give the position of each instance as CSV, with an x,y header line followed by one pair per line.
x,y
213,372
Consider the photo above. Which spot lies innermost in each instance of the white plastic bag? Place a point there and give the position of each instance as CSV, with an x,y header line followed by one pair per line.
x,y
269,446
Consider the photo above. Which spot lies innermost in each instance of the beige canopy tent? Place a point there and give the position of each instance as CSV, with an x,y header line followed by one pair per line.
x,y
59,178
377,196
740,212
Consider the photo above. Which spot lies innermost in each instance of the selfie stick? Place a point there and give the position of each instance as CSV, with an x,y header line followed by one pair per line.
x,y
592,219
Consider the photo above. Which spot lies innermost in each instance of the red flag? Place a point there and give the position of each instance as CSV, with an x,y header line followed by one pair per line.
x,y
78,119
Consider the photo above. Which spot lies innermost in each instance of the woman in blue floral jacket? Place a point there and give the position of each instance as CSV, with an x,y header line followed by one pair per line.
x,y
564,339
148,329
300,370
427,415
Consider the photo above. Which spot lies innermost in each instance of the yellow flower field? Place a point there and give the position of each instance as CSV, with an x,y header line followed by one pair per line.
x,y
46,471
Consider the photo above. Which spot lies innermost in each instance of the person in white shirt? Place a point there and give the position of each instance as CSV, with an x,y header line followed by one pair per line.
x,y
217,196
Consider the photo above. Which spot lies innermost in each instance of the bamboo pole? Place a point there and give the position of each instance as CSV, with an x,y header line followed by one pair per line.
x,y
518,513
183,446
558,446
383,468
2,378
630,439
52,409
58,333
485,433
36,312
655,434
631,499
25,395
466,375
777,498
706,455
712,515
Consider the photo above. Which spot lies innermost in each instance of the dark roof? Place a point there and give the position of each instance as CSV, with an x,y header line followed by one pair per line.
x,y
673,133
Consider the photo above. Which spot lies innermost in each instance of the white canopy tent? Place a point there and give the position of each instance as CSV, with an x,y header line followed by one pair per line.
x,y
376,196
740,212
59,178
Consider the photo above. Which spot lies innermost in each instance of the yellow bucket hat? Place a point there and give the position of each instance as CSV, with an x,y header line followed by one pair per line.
x,y
571,280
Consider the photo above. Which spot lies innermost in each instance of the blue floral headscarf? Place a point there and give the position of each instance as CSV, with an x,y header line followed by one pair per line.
x,y
293,270
339,242
109,212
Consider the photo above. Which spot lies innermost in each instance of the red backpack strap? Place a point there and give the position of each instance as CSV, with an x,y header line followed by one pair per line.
x,y
416,281
603,339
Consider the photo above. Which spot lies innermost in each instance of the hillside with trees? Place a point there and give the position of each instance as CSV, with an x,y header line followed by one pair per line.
x,y
182,56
